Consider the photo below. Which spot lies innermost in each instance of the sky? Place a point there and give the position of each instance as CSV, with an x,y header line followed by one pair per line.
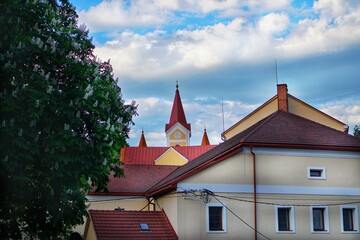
x,y
223,53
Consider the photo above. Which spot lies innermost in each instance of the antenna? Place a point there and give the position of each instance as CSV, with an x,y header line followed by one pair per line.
x,y
276,72
223,117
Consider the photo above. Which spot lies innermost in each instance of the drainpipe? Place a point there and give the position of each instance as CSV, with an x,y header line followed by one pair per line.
x,y
254,182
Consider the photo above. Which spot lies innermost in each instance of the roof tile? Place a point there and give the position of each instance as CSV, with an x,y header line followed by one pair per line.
x,y
112,224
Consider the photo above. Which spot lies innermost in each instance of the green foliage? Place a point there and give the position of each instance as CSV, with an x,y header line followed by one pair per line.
x,y
62,119
357,131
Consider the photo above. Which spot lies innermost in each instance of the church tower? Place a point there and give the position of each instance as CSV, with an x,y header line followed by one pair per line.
x,y
178,131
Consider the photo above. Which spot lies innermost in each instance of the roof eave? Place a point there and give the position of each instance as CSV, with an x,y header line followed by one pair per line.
x,y
133,194
303,146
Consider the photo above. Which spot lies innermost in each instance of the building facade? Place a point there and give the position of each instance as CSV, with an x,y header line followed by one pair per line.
x,y
285,171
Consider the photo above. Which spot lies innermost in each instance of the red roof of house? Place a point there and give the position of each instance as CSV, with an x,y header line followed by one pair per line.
x,y
177,113
137,179
113,224
148,155
278,130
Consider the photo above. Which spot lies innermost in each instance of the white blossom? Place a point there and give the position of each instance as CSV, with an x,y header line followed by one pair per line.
x,y
49,89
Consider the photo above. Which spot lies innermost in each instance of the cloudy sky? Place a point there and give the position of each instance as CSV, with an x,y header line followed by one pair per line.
x,y
224,51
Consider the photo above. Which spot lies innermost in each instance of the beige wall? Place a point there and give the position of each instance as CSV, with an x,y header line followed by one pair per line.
x,y
169,203
90,234
299,108
250,120
274,169
284,170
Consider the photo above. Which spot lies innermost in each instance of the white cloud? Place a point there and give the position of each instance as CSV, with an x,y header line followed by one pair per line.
x,y
274,23
116,14
337,28
345,111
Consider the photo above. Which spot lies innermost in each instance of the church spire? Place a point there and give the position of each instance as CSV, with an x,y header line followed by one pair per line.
x,y
178,131
177,112
205,139
142,142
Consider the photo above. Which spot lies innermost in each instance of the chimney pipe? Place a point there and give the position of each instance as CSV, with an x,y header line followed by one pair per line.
x,y
282,97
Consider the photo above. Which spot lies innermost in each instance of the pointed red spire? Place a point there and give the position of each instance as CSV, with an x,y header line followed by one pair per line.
x,y
177,113
142,142
205,139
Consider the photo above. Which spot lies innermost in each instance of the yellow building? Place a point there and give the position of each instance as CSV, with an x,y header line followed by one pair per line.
x,y
285,171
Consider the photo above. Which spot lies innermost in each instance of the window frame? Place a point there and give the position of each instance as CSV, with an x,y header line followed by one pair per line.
x,y
292,228
323,173
224,223
325,219
355,218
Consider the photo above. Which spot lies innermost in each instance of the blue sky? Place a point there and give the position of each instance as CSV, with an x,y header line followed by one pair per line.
x,y
224,50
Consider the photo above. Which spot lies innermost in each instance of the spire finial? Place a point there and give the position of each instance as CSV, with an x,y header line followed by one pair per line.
x,y
177,85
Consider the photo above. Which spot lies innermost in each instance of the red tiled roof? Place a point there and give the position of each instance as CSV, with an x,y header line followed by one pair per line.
x,y
280,129
137,179
289,129
177,113
148,155
112,224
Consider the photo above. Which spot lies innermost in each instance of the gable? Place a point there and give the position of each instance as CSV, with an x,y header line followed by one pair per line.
x,y
178,135
171,157
260,113
302,109
287,103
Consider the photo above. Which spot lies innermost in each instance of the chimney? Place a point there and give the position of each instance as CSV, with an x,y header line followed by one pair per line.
x,y
282,97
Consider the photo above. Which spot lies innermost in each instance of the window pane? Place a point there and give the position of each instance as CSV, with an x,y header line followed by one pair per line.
x,y
284,219
215,219
315,173
318,219
348,219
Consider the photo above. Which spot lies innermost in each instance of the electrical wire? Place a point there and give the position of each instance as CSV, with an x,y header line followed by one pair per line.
x,y
297,205
243,221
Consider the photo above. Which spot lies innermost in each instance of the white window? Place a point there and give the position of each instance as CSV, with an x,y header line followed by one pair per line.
x,y
215,218
349,219
316,173
319,219
285,219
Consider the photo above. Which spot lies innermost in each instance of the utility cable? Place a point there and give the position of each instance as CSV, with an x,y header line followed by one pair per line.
x,y
243,221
